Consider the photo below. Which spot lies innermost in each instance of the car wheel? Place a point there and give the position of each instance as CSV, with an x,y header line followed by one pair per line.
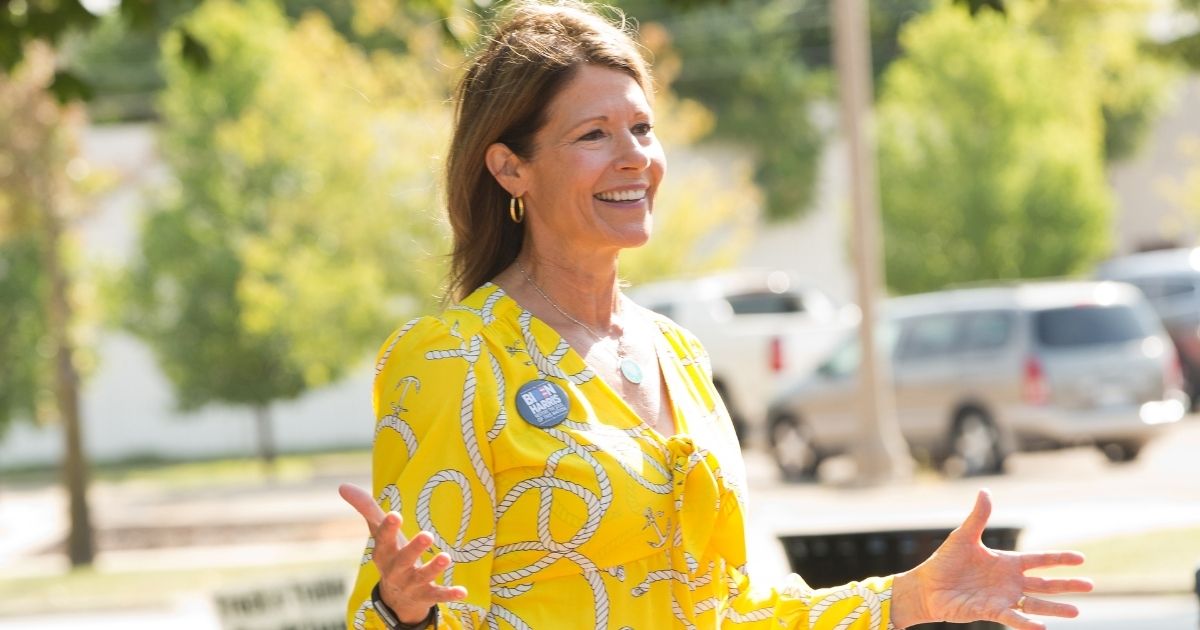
x,y
793,449
974,446
1120,452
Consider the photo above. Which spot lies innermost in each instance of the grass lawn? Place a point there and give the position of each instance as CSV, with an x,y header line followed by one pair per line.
x,y
1158,561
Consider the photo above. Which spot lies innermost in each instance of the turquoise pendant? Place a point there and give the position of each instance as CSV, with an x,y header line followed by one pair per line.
x,y
631,371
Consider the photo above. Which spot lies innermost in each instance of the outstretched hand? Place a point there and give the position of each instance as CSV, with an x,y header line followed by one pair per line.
x,y
406,584
965,581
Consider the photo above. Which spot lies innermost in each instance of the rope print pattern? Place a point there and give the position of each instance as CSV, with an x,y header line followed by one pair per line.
x,y
597,500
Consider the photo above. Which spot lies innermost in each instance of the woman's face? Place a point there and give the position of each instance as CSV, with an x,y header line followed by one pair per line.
x,y
596,166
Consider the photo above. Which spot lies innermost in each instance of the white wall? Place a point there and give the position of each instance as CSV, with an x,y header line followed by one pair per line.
x,y
814,248
1146,211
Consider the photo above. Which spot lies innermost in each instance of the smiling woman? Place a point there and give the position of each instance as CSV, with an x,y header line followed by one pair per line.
x,y
549,454
593,170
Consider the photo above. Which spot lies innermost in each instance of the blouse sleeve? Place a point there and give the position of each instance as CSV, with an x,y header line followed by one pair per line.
x,y
432,464
750,605
864,605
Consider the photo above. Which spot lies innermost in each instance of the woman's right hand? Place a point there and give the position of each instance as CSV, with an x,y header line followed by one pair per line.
x,y
406,584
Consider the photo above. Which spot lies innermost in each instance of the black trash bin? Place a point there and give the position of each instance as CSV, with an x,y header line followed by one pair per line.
x,y
825,560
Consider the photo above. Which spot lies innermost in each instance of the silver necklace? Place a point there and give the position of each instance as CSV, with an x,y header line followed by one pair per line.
x,y
631,370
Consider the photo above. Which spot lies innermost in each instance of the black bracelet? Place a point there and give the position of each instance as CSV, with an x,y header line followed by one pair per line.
x,y
393,622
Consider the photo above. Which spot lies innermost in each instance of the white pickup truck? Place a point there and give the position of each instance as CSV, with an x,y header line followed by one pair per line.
x,y
760,331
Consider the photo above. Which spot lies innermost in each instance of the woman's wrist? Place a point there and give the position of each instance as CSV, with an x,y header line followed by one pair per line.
x,y
908,605
401,617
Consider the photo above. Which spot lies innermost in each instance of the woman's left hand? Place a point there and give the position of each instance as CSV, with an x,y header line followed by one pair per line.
x,y
965,581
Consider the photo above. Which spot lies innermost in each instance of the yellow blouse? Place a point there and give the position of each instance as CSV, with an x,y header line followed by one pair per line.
x,y
597,522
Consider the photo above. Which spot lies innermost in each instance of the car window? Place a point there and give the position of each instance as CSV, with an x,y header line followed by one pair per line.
x,y
762,302
1088,325
987,330
844,360
929,336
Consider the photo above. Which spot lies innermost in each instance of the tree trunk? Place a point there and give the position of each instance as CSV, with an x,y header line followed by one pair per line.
x,y
80,547
266,437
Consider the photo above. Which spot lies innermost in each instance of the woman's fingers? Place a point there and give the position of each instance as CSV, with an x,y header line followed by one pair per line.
x,y
436,593
1056,585
1050,559
449,593
976,521
364,504
400,563
1017,621
430,571
410,552
1047,608
389,530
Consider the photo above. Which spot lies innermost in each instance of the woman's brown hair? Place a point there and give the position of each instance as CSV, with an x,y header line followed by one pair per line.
x,y
503,97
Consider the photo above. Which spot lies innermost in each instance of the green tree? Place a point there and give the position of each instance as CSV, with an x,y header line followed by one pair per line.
x,y
300,212
986,173
39,376
1131,82
762,66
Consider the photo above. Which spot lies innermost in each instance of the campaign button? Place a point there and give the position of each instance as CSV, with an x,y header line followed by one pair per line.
x,y
542,403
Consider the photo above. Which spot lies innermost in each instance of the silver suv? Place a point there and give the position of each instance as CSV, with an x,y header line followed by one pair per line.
x,y
980,373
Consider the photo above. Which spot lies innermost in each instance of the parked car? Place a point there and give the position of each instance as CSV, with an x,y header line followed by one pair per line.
x,y
980,373
1170,279
759,329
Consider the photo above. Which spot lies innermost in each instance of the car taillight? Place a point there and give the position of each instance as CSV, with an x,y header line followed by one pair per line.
x,y
776,355
1034,388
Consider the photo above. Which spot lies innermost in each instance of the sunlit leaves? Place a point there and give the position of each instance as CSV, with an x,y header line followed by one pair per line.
x,y
305,178
986,173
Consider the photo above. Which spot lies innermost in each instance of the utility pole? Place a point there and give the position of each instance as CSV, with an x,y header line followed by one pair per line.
x,y
881,453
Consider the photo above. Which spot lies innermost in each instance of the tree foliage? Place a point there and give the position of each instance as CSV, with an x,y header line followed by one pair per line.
x,y
305,216
762,67
985,173
300,212
1110,34
37,137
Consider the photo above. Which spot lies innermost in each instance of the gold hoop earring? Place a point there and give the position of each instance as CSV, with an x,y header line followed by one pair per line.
x,y
516,209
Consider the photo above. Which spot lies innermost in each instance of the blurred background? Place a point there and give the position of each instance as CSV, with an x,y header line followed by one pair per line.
x,y
213,211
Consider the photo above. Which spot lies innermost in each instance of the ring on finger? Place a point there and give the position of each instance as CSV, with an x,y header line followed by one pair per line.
x,y
1020,605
